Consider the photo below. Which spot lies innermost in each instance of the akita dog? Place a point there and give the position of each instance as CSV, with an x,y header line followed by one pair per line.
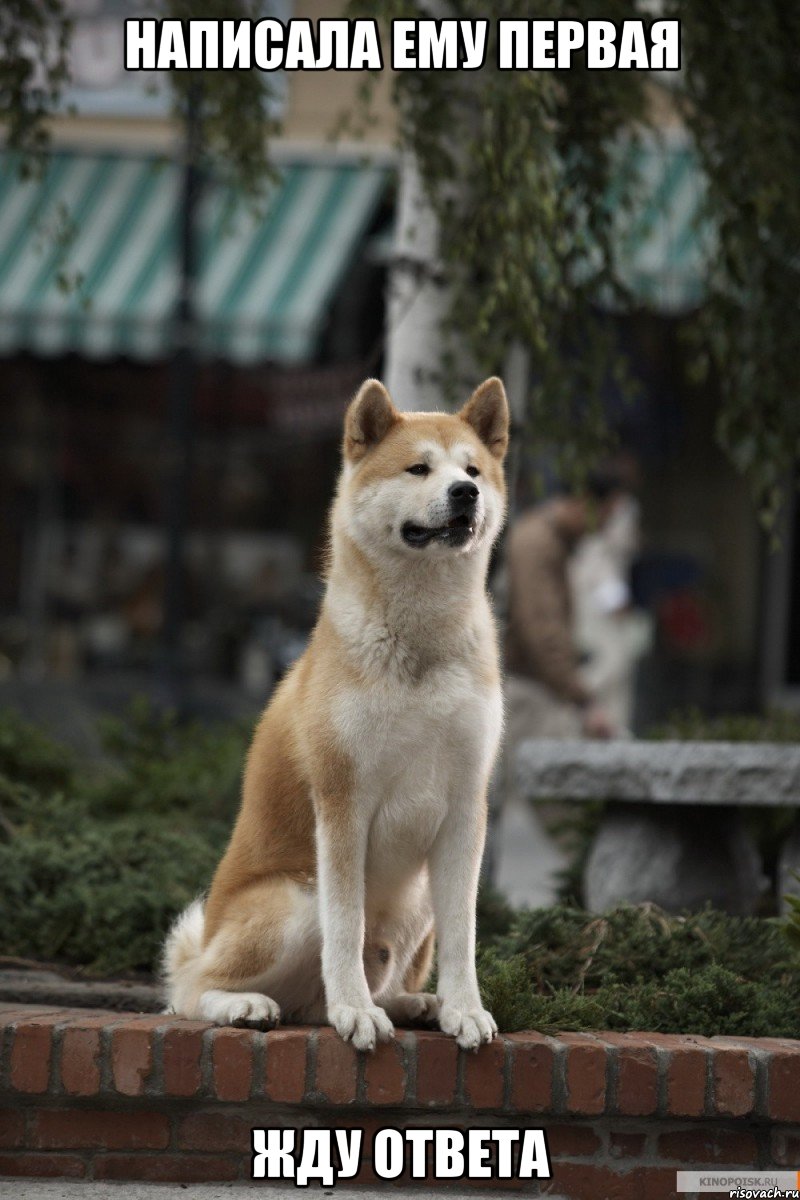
x,y
363,814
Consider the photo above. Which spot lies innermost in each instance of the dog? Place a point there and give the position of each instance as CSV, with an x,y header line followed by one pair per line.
x,y
363,812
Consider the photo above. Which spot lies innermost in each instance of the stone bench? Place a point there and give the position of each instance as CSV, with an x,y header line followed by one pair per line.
x,y
672,832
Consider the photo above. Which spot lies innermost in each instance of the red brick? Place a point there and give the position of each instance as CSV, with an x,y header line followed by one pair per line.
x,y
215,1132
369,1126
785,1147
78,1129
514,1186
484,1070
12,1128
626,1145
687,1071
585,1181
182,1049
658,1183
132,1057
80,1061
366,1177
734,1083
385,1073
31,1054
166,1168
709,1146
637,1074
232,1063
784,1085
10,1014
532,1059
286,1065
437,1062
337,1066
572,1141
42,1166
585,1074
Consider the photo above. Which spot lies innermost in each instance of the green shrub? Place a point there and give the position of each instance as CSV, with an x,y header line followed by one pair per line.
x,y
95,863
637,968
692,725
30,756
100,894
160,765
96,860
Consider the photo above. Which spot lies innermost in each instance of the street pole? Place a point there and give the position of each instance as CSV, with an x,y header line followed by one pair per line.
x,y
182,382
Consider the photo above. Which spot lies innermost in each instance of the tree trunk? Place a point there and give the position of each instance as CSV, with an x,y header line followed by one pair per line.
x,y
417,300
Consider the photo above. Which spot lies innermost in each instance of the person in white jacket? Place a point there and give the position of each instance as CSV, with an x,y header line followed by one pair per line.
x,y
611,635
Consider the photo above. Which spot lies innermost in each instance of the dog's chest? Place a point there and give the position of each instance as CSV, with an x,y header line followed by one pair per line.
x,y
392,731
415,750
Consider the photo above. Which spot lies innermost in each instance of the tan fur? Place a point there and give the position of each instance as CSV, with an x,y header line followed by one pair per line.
x,y
417,974
304,772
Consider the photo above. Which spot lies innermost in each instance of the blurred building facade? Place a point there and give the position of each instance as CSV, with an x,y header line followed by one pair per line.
x,y
291,315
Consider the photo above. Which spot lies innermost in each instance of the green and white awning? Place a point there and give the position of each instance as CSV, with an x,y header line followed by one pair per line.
x,y
662,244
88,257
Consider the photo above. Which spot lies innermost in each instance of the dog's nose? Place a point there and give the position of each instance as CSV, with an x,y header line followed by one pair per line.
x,y
462,494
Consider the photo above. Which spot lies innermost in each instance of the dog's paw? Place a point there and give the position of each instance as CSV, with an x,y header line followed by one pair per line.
x,y
361,1026
469,1026
413,1006
250,1009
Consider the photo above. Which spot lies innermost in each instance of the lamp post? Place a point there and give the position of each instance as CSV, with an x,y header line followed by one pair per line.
x,y
182,382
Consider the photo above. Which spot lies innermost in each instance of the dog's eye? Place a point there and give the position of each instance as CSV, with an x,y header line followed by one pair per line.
x,y
419,469
472,471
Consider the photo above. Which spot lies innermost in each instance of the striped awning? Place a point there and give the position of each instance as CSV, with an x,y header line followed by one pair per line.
x,y
663,245
89,257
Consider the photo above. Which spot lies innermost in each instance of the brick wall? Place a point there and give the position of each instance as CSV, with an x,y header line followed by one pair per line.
x,y
102,1095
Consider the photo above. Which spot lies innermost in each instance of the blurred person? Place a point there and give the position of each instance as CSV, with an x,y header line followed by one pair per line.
x,y
547,695
611,634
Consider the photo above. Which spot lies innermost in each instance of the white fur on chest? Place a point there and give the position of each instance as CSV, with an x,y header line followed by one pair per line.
x,y
416,750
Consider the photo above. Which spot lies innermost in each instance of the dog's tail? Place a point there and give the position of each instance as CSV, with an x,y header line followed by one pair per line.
x,y
180,959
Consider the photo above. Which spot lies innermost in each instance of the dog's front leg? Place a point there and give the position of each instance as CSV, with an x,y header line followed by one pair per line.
x,y
454,866
341,856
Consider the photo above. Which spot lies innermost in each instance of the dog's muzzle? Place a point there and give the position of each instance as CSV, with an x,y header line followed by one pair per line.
x,y
462,498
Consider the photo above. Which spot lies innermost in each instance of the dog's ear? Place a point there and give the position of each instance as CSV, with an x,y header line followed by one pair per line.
x,y
369,418
487,412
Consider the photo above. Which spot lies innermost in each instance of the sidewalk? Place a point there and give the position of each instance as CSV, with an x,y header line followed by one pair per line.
x,y
527,857
58,1189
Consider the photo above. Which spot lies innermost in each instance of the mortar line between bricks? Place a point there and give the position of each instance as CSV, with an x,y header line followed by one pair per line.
x,y
410,1053
259,1080
5,1057
761,1059
106,1073
172,1138
559,1096
154,1084
361,1078
107,1045
763,1137
206,1065
708,1106
663,1058
157,1075
611,1107
55,1087
461,1066
508,1075
651,1144
310,1064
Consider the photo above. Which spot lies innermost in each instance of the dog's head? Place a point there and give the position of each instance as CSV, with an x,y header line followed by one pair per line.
x,y
424,484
